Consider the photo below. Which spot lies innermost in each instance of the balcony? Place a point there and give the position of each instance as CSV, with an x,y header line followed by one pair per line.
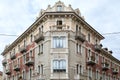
x,y
91,61
97,47
115,71
23,49
105,66
29,61
61,27
17,67
8,72
4,62
38,37
13,56
80,36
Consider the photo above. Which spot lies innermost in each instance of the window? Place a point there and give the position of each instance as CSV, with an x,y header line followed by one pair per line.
x,y
24,58
78,47
90,74
59,65
89,53
24,43
18,47
77,66
59,42
79,69
97,75
88,37
76,27
59,22
13,51
103,76
30,73
18,61
13,77
31,53
40,69
23,75
108,77
59,8
97,58
31,37
40,49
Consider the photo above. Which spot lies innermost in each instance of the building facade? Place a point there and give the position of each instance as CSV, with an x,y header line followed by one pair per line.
x,y
59,45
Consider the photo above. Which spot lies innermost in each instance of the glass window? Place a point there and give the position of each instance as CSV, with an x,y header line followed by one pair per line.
x,y
59,8
31,37
59,42
97,73
24,43
89,37
41,69
30,73
77,66
59,65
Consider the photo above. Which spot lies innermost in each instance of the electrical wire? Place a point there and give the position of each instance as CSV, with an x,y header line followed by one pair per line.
x,y
18,35
8,35
111,33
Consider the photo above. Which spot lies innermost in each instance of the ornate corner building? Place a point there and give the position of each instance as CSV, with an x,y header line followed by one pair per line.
x,y
59,45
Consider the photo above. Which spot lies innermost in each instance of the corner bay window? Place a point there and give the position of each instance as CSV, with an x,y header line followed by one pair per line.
x,y
59,65
59,42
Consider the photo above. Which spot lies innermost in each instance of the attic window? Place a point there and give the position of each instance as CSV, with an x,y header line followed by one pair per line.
x,y
59,22
59,8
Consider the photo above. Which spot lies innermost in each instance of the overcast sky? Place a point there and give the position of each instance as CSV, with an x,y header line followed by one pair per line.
x,y
103,15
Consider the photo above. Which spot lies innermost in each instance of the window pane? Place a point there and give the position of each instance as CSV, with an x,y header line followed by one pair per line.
x,y
59,8
59,42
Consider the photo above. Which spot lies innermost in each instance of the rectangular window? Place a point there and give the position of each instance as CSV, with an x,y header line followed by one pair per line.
x,y
39,48
31,38
97,75
24,58
88,37
78,48
59,65
30,73
41,69
59,8
24,43
42,48
59,42
59,22
23,75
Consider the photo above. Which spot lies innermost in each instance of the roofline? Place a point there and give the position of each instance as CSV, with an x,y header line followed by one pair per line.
x,y
37,21
110,56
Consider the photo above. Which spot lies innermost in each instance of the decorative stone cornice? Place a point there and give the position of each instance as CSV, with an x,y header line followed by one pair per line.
x,y
43,18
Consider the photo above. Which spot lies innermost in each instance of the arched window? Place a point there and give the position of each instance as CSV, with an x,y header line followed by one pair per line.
x,y
59,8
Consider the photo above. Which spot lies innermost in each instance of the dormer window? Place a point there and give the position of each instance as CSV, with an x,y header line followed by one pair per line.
x,y
59,22
59,8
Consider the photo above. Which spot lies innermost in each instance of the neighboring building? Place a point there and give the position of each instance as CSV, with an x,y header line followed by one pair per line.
x,y
1,74
59,45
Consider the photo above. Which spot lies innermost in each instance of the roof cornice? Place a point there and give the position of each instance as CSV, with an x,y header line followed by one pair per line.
x,y
33,26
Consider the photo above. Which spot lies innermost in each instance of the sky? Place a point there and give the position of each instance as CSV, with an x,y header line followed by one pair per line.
x,y
103,15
